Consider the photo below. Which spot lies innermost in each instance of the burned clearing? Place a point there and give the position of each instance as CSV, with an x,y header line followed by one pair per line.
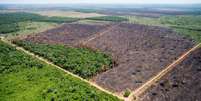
x,y
100,52
139,51
70,34
182,84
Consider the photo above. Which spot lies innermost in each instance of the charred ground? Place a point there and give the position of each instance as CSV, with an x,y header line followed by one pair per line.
x,y
139,51
182,84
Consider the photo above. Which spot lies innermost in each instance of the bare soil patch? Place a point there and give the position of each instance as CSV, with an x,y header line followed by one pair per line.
x,y
68,14
70,34
182,84
139,51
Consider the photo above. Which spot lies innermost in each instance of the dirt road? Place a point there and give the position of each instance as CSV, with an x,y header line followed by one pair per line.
x,y
152,81
50,63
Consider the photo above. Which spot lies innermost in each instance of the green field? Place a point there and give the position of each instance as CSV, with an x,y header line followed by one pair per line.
x,y
189,26
28,27
81,61
143,20
24,78
13,22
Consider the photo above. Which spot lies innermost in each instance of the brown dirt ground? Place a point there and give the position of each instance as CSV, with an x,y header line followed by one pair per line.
x,y
73,14
140,52
182,84
70,34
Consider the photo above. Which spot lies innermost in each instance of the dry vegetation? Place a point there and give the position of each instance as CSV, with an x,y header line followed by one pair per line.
x,y
73,14
92,22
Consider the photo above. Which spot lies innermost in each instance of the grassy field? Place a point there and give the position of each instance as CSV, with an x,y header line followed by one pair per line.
x,y
13,22
189,26
81,61
72,14
143,20
23,78
28,27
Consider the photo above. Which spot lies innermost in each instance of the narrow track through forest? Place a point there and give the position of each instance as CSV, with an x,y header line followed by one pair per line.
x,y
50,63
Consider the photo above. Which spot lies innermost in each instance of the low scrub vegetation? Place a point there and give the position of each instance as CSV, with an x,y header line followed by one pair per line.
x,y
23,78
86,10
9,28
10,21
189,26
127,93
81,61
28,27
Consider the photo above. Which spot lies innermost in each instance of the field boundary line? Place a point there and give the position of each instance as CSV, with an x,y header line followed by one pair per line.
x,y
66,71
136,93
100,34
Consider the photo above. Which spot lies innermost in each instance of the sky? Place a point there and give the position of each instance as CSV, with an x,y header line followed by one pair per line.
x,y
101,1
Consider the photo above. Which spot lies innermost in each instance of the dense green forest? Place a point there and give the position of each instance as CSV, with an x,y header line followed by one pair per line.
x,y
81,61
23,78
9,21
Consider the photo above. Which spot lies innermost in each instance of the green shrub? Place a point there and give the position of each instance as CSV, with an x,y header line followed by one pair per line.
x,y
22,80
127,93
81,61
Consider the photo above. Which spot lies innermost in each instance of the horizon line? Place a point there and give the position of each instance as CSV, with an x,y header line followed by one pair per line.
x,y
110,3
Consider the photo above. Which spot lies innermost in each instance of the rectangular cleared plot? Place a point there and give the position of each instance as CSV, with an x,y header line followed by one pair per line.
x,y
182,84
139,51
70,34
